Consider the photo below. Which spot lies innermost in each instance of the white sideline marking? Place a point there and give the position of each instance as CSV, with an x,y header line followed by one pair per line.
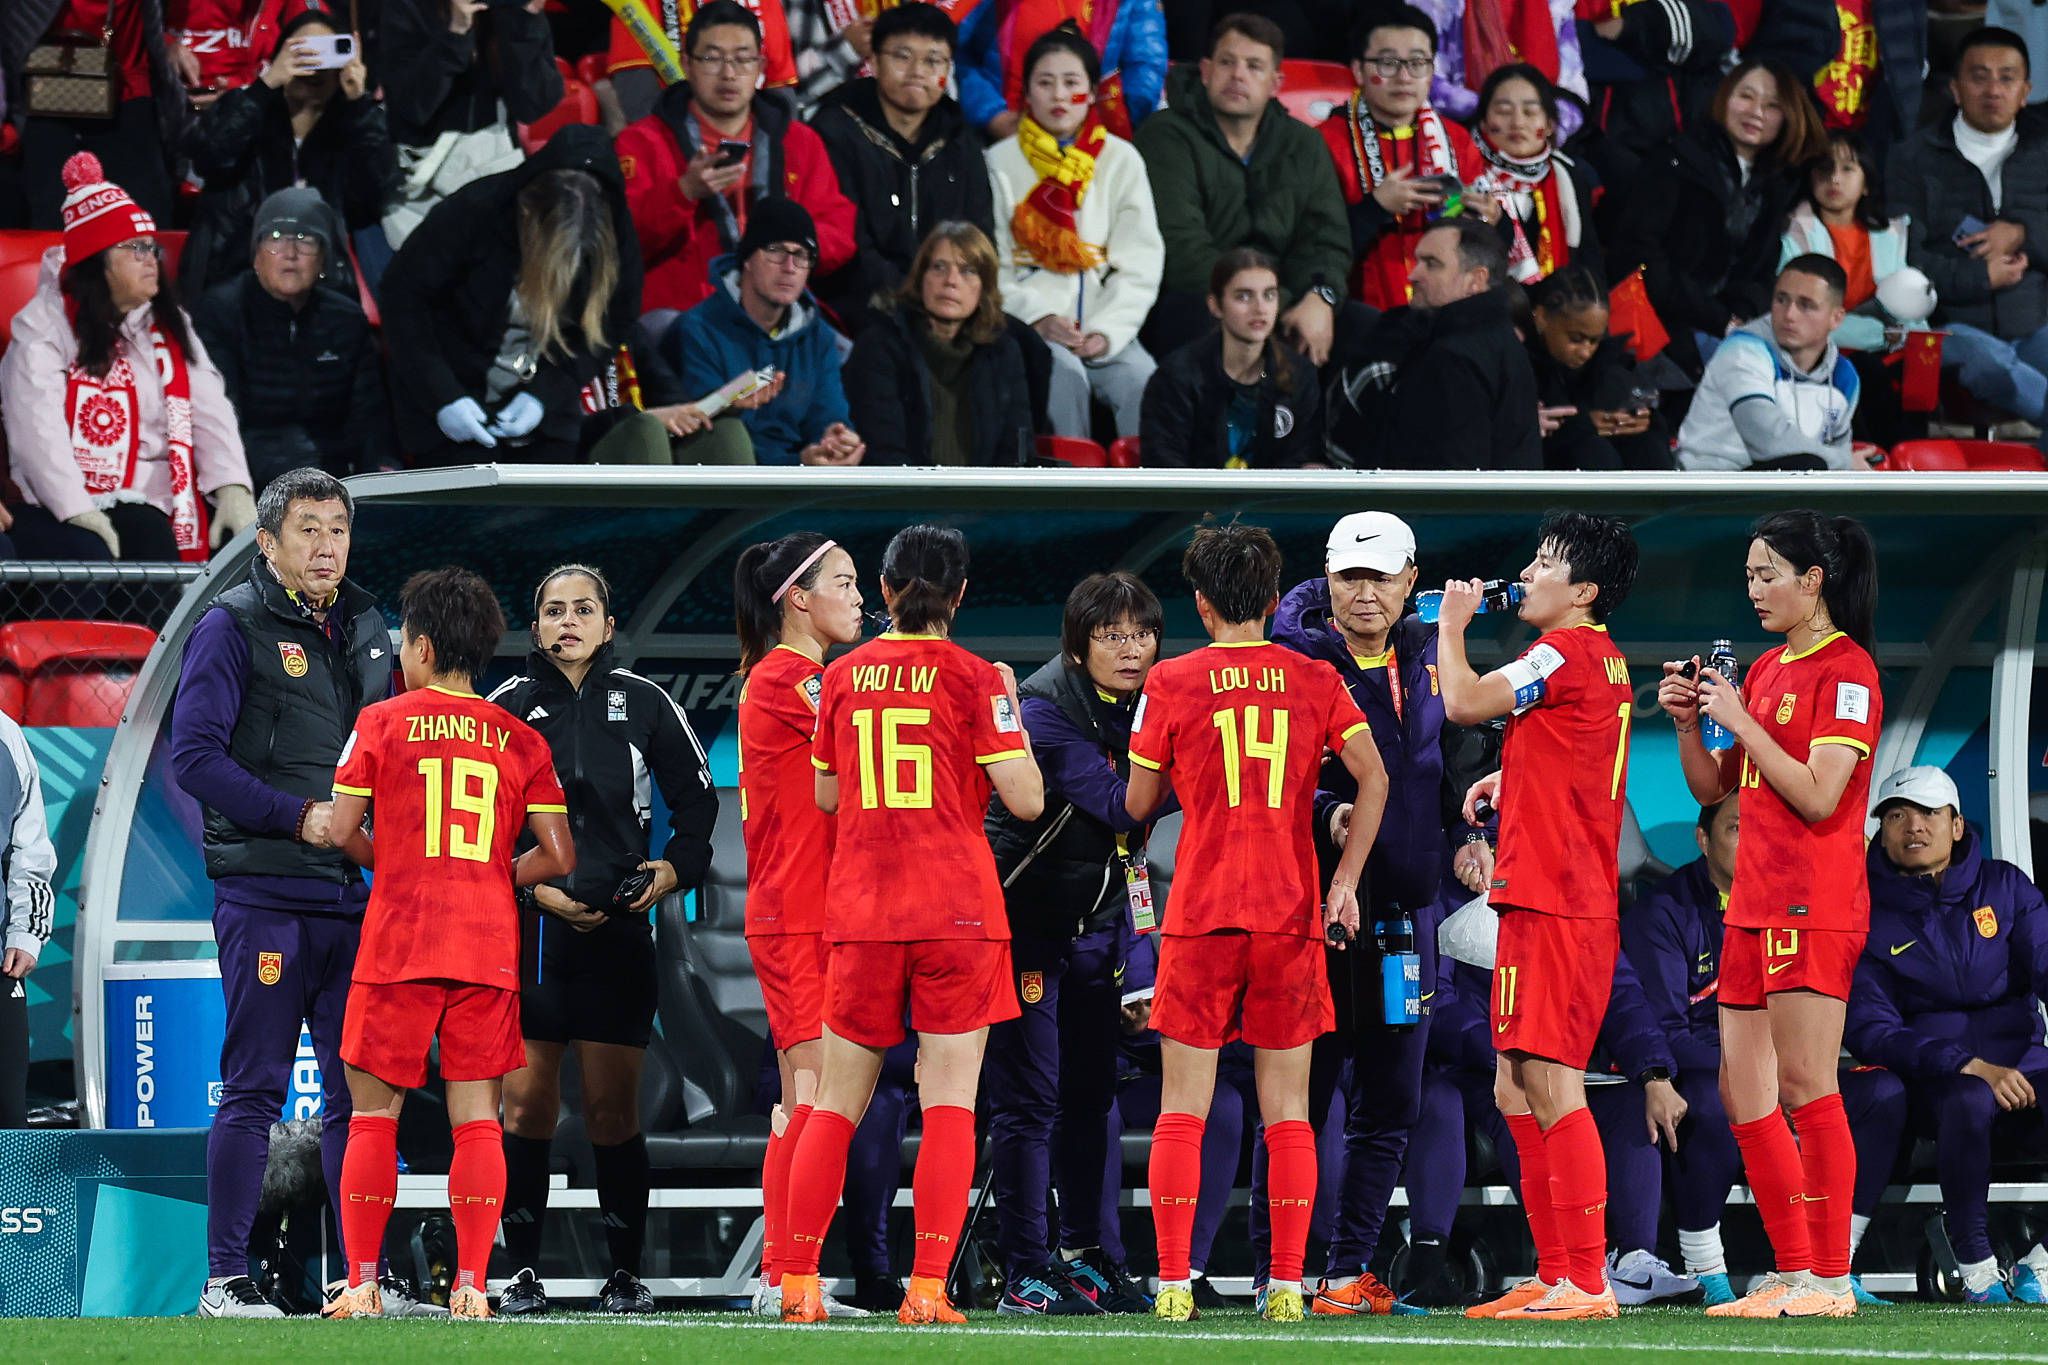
x,y
1589,1340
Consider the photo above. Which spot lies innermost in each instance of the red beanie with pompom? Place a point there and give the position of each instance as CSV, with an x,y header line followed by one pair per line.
x,y
97,214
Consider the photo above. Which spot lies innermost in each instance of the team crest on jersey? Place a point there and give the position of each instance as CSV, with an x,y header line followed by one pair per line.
x,y
812,688
270,968
1031,986
1987,921
1785,706
1435,689
614,705
294,656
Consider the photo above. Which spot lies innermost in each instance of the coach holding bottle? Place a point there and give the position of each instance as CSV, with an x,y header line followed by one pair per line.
x,y
272,679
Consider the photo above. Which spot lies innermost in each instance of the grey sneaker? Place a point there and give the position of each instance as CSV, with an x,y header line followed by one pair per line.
x,y
400,1300
235,1296
835,1309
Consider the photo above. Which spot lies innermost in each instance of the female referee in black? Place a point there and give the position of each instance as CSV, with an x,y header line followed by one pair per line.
x,y
588,969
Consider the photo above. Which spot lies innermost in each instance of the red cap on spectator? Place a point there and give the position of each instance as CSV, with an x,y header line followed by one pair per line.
x,y
97,214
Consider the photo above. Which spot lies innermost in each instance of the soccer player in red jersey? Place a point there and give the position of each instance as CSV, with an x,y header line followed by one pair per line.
x,y
1559,791
1800,905
452,779
796,598
1238,730
913,731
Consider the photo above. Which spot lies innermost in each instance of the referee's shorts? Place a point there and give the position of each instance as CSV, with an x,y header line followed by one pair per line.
x,y
598,987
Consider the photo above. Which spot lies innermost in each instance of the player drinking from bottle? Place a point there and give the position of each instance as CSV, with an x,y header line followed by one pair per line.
x,y
796,598
453,780
1238,730
1559,792
912,733
1800,904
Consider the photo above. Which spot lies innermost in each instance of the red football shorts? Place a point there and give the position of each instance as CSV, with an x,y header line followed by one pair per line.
x,y
391,1025
1551,978
791,969
1272,990
1756,963
944,985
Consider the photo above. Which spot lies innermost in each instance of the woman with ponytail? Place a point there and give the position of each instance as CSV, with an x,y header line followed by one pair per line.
x,y
1799,756
919,730
795,598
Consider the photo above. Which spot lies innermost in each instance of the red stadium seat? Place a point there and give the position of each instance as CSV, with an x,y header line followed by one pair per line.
x,y
71,672
1311,90
21,260
579,105
1123,453
1075,451
13,697
1978,456
590,67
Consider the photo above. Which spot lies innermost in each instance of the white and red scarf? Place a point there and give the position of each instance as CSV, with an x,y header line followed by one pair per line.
x,y
1382,278
106,438
1546,226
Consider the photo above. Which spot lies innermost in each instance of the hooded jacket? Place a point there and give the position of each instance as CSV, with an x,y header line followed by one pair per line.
x,y
1607,382
1955,966
1283,198
1411,854
713,342
681,237
899,190
1672,936
32,388
1935,187
1463,395
447,296
1751,392
888,384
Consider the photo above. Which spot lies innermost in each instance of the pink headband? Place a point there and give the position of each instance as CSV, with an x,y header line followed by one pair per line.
x,y
802,569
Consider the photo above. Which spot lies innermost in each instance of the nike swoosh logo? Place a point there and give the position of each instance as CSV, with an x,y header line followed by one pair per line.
x,y
1362,539
1430,996
1500,1028
1775,968
1898,948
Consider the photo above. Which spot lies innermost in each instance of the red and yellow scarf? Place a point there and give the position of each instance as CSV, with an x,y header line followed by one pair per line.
x,y
1043,222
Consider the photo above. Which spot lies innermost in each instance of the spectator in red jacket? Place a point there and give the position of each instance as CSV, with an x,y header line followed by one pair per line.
x,y
715,146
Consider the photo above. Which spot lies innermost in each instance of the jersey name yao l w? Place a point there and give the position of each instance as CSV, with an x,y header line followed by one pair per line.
x,y
1239,730
914,909
1800,905
451,779
1564,771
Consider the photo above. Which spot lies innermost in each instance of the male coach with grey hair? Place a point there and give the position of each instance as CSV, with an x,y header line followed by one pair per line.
x,y
273,677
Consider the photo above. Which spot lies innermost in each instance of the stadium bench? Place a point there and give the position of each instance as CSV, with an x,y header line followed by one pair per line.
x,y
1312,90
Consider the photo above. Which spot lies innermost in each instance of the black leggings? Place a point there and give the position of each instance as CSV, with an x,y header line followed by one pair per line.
x,y
13,1053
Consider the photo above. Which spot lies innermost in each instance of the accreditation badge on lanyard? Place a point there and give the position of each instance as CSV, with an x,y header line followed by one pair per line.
x,y
1137,887
1394,681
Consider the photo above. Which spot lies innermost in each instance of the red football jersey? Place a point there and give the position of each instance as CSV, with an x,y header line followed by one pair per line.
x,y
451,779
1564,775
1240,731
1789,873
908,722
789,840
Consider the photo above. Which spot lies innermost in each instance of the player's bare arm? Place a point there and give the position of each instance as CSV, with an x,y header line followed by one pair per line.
x,y
349,810
553,858
1469,699
827,792
1709,776
1146,793
1813,788
1018,782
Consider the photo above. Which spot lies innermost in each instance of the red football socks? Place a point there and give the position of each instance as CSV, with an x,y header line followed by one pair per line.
x,y
775,1188
817,1171
1827,1156
1175,1176
369,1188
476,1197
1552,1260
1578,1196
939,1187
1290,1192
1777,1180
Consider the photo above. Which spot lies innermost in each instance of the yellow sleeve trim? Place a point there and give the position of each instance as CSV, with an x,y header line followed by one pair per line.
x,y
1858,745
1362,725
352,791
985,759
820,764
547,810
1144,762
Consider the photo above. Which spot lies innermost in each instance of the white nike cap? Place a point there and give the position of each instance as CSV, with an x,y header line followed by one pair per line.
x,y
1379,541
1924,785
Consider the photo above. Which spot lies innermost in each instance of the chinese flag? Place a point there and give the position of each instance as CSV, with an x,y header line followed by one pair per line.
x,y
1920,372
1629,314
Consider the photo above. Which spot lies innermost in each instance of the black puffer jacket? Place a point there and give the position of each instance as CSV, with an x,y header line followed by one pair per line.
x,y
610,738
1933,182
1605,383
900,190
1186,412
447,297
244,149
438,82
1461,394
889,393
307,386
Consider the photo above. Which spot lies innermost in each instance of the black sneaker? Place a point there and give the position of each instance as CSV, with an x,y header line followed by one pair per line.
x,y
623,1293
1206,1294
525,1297
1045,1292
1104,1283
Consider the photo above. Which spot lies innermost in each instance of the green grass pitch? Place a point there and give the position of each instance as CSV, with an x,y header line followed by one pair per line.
x,y
1915,1332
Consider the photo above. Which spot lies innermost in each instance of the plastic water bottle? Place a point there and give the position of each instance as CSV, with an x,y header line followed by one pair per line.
x,y
1498,594
1400,969
1722,660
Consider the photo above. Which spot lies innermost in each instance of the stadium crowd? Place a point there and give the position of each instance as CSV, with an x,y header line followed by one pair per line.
x,y
1693,234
